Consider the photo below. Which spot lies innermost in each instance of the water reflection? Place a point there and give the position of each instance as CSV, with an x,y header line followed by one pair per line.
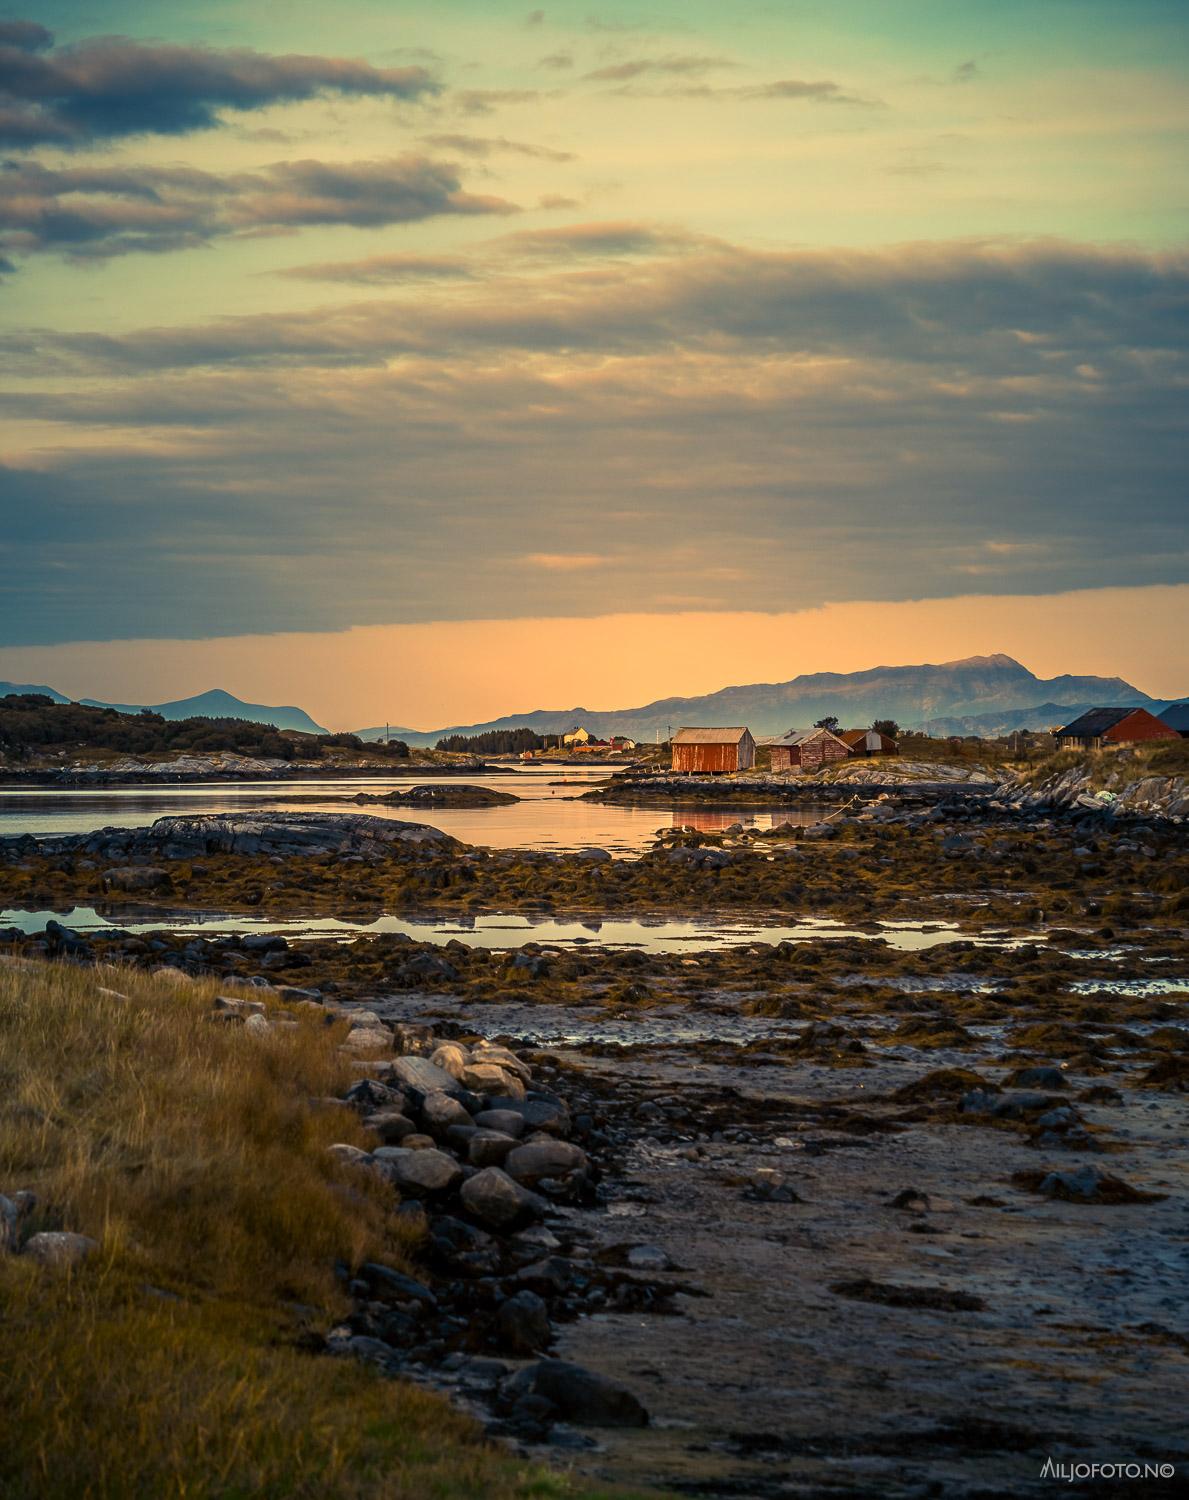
x,y
512,930
548,816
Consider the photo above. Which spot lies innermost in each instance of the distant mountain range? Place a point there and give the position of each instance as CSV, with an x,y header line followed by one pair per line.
x,y
984,695
213,705
978,695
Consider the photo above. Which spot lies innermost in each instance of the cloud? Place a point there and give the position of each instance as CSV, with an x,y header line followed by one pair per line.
x,y
558,61
754,426
485,146
1001,306
616,238
486,101
99,212
635,67
821,90
567,242
25,36
535,18
106,88
565,562
383,270
814,91
967,72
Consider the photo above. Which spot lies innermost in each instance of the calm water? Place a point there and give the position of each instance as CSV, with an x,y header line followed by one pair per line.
x,y
547,817
494,930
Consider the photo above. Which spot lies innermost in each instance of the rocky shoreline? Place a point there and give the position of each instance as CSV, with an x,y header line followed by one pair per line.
x,y
877,1214
779,1216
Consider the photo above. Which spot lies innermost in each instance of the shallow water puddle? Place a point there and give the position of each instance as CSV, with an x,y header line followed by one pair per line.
x,y
660,935
1164,986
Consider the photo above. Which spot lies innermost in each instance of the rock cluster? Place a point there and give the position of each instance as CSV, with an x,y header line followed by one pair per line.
x,y
484,1160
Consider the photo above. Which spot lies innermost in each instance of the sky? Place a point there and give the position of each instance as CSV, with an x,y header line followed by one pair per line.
x,y
362,348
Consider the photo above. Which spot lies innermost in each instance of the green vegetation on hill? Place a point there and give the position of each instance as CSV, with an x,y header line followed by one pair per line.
x,y
181,1359
494,742
31,723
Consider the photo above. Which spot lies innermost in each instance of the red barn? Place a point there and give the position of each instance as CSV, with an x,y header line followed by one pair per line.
x,y
1102,727
808,750
713,750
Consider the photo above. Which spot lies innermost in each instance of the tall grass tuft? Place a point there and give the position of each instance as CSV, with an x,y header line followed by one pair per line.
x,y
177,1361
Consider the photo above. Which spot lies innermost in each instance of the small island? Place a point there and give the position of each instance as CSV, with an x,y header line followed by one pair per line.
x,y
439,796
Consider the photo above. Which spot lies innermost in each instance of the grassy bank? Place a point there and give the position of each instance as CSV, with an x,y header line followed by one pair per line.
x,y
1109,770
180,1358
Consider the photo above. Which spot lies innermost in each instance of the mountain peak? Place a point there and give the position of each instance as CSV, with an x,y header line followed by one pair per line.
x,y
997,659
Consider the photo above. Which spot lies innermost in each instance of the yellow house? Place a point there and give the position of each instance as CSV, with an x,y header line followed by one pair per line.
x,y
577,736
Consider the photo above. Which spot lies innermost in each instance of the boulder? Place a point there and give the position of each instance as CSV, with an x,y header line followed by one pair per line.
x,y
547,1115
369,1094
235,1009
587,1398
533,1160
384,1282
422,1077
417,1172
489,1078
502,1057
506,1121
368,1039
10,1216
263,942
489,1148
451,1057
1039,1078
522,1324
494,1198
352,1155
58,1248
441,1110
648,1258
391,1126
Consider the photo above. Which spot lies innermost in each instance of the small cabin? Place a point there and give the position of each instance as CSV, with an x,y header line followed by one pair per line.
x,y
713,750
807,750
1101,728
869,742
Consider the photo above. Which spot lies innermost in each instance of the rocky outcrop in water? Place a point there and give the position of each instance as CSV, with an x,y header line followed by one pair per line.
x,y
432,795
281,834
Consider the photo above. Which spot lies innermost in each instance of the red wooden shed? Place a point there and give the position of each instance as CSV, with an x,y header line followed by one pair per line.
x,y
807,750
714,750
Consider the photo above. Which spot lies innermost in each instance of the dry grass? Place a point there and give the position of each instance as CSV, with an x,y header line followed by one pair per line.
x,y
172,1362
1115,768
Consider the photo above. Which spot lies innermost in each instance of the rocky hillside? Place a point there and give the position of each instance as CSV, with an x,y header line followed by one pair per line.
x,y
1151,779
